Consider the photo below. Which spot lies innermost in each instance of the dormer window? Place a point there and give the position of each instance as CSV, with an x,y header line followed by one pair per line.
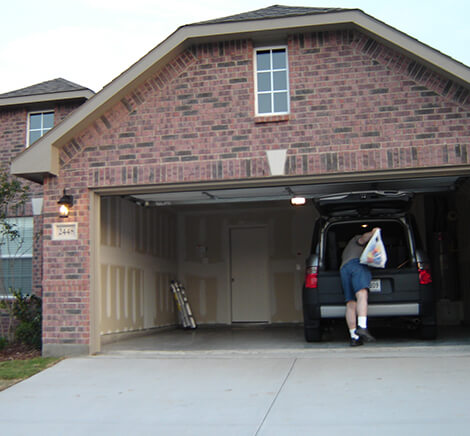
x,y
39,123
272,81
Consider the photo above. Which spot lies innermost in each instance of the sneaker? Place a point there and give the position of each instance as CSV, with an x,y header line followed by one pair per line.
x,y
356,342
364,335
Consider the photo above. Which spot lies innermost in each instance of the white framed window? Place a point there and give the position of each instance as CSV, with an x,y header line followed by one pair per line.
x,y
272,81
16,256
39,123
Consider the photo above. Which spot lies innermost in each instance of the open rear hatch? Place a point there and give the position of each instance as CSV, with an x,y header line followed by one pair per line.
x,y
364,203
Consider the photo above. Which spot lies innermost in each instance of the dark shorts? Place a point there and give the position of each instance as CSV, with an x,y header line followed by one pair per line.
x,y
354,277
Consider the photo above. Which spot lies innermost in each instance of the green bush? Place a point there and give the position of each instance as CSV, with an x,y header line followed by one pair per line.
x,y
27,310
28,333
3,342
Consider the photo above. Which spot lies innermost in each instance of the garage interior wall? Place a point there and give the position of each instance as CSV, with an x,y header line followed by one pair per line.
x,y
143,249
137,262
204,257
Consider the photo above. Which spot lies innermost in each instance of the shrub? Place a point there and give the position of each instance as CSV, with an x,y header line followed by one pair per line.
x,y
27,310
28,333
3,342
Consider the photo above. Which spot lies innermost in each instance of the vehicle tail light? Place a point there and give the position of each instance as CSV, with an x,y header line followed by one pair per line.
x,y
424,273
311,277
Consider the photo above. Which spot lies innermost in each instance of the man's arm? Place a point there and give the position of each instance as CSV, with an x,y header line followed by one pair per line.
x,y
364,239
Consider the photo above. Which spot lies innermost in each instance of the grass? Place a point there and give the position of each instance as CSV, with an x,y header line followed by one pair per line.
x,y
14,371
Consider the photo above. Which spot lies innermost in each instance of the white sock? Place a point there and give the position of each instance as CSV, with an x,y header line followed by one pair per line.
x,y
352,332
362,321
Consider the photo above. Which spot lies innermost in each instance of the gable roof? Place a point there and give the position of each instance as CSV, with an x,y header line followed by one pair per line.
x,y
51,90
42,158
275,11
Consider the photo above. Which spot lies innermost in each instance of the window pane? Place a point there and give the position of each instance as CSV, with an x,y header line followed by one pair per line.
x,y
280,80
264,103
48,121
34,136
272,81
279,59
280,102
20,246
264,82
16,274
16,262
263,60
35,121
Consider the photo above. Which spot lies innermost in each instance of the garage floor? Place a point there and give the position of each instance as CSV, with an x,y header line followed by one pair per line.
x,y
272,339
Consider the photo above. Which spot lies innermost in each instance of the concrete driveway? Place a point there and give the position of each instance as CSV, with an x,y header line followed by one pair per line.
x,y
369,390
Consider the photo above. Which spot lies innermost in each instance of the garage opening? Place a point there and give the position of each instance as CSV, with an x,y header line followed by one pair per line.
x,y
239,263
240,254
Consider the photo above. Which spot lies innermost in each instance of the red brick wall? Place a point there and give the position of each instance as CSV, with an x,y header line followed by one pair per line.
x,y
356,105
13,131
66,269
13,125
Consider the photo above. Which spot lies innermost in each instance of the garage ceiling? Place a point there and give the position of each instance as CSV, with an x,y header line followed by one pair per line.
x,y
287,191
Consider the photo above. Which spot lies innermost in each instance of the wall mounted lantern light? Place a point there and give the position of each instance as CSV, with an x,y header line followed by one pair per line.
x,y
65,203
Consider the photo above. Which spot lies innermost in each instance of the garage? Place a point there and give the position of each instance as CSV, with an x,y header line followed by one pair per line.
x,y
240,253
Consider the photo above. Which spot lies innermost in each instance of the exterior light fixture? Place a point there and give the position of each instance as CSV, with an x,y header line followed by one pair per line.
x,y
65,203
297,201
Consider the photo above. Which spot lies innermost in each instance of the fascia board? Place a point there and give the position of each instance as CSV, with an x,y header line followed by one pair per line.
x,y
33,160
370,25
44,98
366,176
415,48
186,35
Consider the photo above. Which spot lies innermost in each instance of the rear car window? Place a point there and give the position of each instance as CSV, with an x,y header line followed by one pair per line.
x,y
394,235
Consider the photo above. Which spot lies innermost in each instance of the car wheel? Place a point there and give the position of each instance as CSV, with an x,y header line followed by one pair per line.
x,y
428,332
312,334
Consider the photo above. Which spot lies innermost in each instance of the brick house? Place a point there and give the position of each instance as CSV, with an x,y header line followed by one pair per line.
x,y
183,167
26,115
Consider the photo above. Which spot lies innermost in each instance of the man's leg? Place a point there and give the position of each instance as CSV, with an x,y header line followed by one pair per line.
x,y
362,299
351,307
351,314
362,302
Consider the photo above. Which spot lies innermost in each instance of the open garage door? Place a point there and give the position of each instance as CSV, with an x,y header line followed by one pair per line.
x,y
151,237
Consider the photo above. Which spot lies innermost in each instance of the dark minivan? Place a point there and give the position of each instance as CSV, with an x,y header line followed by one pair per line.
x,y
402,289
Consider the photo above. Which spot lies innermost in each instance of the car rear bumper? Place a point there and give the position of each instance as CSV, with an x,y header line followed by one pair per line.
x,y
382,310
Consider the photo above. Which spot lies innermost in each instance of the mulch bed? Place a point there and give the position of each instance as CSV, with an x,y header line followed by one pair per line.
x,y
18,352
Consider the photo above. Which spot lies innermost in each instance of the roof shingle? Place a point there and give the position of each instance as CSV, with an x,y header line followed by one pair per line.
x,y
275,11
48,87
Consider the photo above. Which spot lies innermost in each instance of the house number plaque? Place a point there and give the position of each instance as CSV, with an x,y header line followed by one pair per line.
x,y
65,231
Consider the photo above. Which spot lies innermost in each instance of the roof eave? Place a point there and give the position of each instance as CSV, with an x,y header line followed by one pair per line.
x,y
35,164
190,34
48,97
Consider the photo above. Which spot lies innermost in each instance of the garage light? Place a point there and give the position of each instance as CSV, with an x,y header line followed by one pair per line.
x,y
297,201
65,203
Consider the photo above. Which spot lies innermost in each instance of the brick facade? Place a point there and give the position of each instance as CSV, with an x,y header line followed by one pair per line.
x,y
13,134
356,105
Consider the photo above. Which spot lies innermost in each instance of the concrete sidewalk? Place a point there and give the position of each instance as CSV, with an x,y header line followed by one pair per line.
x,y
365,391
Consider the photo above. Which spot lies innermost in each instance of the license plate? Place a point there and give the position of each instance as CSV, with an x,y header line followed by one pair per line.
x,y
375,285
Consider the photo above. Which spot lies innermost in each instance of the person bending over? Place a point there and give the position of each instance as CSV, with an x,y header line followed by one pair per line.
x,y
355,280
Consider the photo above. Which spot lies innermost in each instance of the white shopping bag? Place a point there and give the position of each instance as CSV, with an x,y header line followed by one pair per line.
x,y
374,252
